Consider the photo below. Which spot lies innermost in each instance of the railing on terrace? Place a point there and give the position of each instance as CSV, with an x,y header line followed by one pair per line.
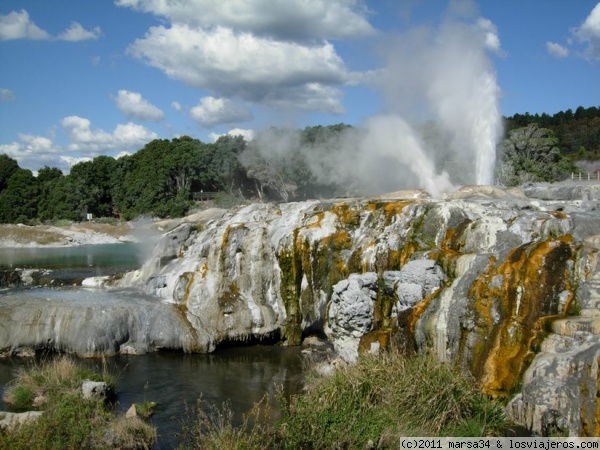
x,y
583,176
203,196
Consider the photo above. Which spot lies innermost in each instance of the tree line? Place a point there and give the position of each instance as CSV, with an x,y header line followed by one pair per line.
x,y
578,132
545,148
159,179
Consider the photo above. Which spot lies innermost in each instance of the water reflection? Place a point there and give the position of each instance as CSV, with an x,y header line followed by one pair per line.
x,y
241,376
126,256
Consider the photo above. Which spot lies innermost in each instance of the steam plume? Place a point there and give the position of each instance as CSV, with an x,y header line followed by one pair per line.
x,y
440,78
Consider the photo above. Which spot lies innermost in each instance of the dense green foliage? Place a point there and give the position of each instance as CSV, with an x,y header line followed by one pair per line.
x,y
69,421
367,405
578,133
531,154
280,164
544,148
160,179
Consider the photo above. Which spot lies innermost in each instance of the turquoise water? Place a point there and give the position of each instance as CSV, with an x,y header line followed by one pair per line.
x,y
127,256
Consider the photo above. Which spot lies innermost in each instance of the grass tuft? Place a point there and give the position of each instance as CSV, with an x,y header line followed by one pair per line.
x,y
69,421
373,402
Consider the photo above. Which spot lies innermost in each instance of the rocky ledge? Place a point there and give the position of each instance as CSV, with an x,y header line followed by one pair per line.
x,y
499,283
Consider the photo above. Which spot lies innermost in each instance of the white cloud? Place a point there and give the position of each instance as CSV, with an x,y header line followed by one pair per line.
x,y
283,19
176,106
17,25
134,106
6,95
70,161
247,134
243,65
33,152
589,33
213,111
86,139
557,50
76,33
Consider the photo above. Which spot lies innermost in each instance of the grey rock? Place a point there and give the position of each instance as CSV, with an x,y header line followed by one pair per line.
x,y
95,390
9,420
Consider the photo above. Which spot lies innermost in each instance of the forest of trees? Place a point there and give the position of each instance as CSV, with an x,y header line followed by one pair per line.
x,y
159,179
578,132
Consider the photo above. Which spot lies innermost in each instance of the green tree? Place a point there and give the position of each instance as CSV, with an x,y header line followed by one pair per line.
x,y
531,154
47,177
93,181
19,200
158,179
48,174
8,166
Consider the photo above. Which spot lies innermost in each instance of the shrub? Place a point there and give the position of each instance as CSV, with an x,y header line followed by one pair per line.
x,y
69,421
211,427
371,403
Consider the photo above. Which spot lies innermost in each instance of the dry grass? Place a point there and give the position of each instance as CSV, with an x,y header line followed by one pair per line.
x,y
69,420
55,235
51,379
369,404
115,230
128,433
22,235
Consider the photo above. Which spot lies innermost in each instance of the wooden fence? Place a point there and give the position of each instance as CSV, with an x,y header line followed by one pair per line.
x,y
589,176
203,196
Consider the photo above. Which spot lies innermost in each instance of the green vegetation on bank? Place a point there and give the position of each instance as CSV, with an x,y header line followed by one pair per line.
x,y
68,421
160,179
367,405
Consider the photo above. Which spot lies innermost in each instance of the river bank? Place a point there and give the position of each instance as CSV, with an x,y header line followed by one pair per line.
x,y
73,234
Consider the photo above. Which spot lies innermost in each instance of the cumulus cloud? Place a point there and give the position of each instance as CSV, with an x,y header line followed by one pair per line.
x,y
557,50
282,19
70,161
134,106
589,33
241,64
213,111
84,138
18,25
32,151
76,33
6,95
176,106
247,134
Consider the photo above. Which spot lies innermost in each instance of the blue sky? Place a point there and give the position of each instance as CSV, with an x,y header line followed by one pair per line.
x,y
82,78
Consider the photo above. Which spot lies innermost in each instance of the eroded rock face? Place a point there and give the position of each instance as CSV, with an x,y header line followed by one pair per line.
x,y
472,278
103,324
477,278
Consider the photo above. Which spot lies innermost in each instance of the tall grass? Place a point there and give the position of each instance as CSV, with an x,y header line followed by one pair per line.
x,y
69,421
370,404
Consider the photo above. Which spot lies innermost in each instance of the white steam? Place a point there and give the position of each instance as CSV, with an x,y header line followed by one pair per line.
x,y
446,76
441,122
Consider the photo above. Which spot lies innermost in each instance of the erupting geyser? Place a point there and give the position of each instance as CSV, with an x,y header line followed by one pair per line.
x,y
445,75
439,126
